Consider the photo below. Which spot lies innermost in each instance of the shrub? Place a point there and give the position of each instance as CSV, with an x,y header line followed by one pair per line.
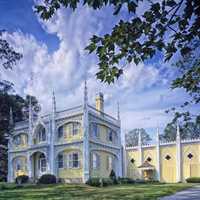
x,y
47,179
94,182
140,181
107,182
99,182
21,179
113,177
193,180
125,180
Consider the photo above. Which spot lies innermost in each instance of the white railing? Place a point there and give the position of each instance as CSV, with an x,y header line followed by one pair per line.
x,y
70,111
104,115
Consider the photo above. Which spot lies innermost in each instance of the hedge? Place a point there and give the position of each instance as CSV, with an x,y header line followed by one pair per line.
x,y
193,180
47,179
21,179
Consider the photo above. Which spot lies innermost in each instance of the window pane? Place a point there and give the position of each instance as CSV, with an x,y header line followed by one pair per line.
x,y
60,132
76,128
60,161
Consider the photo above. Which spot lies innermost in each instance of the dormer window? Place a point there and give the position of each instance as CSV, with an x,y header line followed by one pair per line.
x,y
42,134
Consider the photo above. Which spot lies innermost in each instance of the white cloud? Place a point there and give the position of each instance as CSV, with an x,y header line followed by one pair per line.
x,y
64,71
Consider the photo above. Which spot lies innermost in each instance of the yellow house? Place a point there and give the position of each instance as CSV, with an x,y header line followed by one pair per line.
x,y
72,144
167,162
83,142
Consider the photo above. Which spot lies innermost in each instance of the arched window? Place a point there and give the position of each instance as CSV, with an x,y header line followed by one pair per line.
x,y
95,161
60,132
60,161
42,164
42,134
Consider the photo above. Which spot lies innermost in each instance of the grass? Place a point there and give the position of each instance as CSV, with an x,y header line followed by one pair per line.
x,y
84,192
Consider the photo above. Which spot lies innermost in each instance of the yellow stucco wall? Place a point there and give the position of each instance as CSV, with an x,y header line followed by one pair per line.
x,y
168,167
191,167
102,170
132,168
70,173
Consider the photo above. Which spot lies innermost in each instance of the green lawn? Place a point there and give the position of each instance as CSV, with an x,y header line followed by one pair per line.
x,y
83,192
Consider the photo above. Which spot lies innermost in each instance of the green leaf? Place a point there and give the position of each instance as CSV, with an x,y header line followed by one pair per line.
x,y
117,9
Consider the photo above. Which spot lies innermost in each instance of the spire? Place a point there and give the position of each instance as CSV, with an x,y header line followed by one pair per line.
x,y
11,121
139,138
157,134
85,94
30,113
53,102
118,111
178,135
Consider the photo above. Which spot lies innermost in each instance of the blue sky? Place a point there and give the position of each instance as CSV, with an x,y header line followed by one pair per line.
x,y
53,51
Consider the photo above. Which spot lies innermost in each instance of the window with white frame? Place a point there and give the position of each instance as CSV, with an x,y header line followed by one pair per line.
x,y
110,135
60,161
110,163
17,140
73,160
60,132
42,134
95,161
76,128
42,164
95,130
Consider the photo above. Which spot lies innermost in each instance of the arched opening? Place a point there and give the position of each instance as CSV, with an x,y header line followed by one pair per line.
x,y
39,164
40,135
20,140
19,166
103,162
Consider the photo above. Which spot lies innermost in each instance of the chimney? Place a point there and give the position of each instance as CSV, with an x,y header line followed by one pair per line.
x,y
100,102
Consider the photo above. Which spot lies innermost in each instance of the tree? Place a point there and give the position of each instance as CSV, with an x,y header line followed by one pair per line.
x,y
8,56
167,26
131,138
142,36
17,103
188,130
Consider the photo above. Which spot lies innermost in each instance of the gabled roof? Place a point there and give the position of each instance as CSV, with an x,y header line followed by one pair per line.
x,y
146,165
